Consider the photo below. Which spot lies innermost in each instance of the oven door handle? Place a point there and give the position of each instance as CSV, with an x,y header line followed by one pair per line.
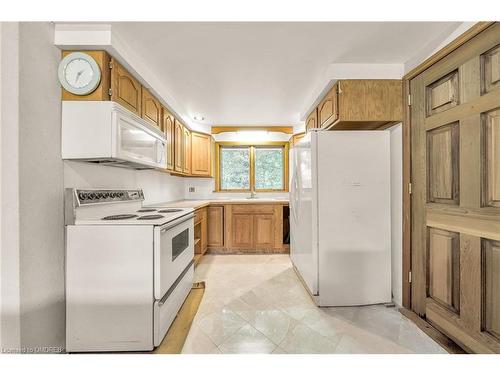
x,y
181,220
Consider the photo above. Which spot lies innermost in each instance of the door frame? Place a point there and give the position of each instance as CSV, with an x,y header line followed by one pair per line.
x,y
407,214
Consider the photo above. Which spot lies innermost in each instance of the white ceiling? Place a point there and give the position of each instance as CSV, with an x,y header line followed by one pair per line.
x,y
263,73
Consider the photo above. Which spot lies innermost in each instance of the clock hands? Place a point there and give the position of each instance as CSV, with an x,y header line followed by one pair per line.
x,y
78,75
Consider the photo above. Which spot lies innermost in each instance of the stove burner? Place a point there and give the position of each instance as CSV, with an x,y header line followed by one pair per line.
x,y
167,210
119,217
150,217
146,210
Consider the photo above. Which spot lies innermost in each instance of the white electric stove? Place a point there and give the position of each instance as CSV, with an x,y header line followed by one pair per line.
x,y
128,269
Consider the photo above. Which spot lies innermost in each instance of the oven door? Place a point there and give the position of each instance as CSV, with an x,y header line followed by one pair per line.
x,y
173,250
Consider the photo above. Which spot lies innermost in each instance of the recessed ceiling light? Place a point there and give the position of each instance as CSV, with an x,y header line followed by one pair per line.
x,y
198,118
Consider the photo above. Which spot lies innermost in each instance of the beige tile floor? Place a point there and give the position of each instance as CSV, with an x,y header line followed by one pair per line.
x,y
256,304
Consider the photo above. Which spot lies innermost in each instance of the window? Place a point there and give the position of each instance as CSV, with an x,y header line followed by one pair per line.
x,y
247,167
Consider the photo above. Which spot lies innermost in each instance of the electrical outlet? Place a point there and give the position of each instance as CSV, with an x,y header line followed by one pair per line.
x,y
192,189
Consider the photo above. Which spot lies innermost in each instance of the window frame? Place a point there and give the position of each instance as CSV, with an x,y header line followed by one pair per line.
x,y
252,145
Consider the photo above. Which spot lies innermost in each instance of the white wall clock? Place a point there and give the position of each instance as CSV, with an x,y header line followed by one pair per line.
x,y
79,73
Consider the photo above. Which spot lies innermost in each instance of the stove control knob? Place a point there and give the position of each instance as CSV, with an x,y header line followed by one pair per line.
x,y
112,195
105,195
92,196
99,195
82,196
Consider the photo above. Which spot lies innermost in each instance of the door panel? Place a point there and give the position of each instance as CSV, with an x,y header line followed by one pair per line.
x,y
443,173
491,70
455,143
491,158
491,259
444,268
442,94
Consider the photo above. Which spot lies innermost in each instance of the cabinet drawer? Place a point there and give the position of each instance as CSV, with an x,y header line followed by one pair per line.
x,y
253,208
200,214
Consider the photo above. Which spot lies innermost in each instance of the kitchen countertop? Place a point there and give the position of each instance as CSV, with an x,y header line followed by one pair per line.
x,y
199,203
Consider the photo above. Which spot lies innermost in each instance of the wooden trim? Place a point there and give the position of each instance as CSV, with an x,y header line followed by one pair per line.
x,y
447,344
406,141
270,128
252,146
450,47
462,39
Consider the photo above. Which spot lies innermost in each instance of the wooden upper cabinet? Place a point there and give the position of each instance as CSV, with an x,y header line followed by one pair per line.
x,y
168,129
201,152
187,151
327,109
125,89
151,108
312,120
365,104
178,146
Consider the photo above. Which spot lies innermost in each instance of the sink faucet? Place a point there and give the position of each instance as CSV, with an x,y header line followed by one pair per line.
x,y
252,194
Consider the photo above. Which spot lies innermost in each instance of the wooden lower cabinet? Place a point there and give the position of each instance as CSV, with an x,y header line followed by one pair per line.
x,y
254,228
263,226
242,231
216,226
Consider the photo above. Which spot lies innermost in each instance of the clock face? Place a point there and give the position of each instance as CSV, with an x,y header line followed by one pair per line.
x,y
79,73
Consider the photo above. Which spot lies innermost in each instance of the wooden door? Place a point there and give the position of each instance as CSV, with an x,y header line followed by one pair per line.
x,y
455,132
328,110
242,230
125,89
216,226
263,231
169,130
178,146
201,146
312,120
187,151
151,108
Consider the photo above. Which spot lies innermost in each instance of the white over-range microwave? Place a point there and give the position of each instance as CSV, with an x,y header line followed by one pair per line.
x,y
107,133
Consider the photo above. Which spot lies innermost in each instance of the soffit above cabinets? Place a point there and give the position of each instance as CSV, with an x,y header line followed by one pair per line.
x,y
251,72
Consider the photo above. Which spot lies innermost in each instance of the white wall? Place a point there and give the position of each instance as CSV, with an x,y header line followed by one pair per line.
x,y
157,186
397,213
10,251
32,175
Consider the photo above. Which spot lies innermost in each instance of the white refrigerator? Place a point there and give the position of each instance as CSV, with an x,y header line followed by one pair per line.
x,y
340,216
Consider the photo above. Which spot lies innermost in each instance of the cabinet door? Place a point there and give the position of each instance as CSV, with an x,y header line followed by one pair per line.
x,y
312,120
201,145
169,130
242,231
204,232
187,151
178,147
151,108
216,226
125,89
328,108
263,231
